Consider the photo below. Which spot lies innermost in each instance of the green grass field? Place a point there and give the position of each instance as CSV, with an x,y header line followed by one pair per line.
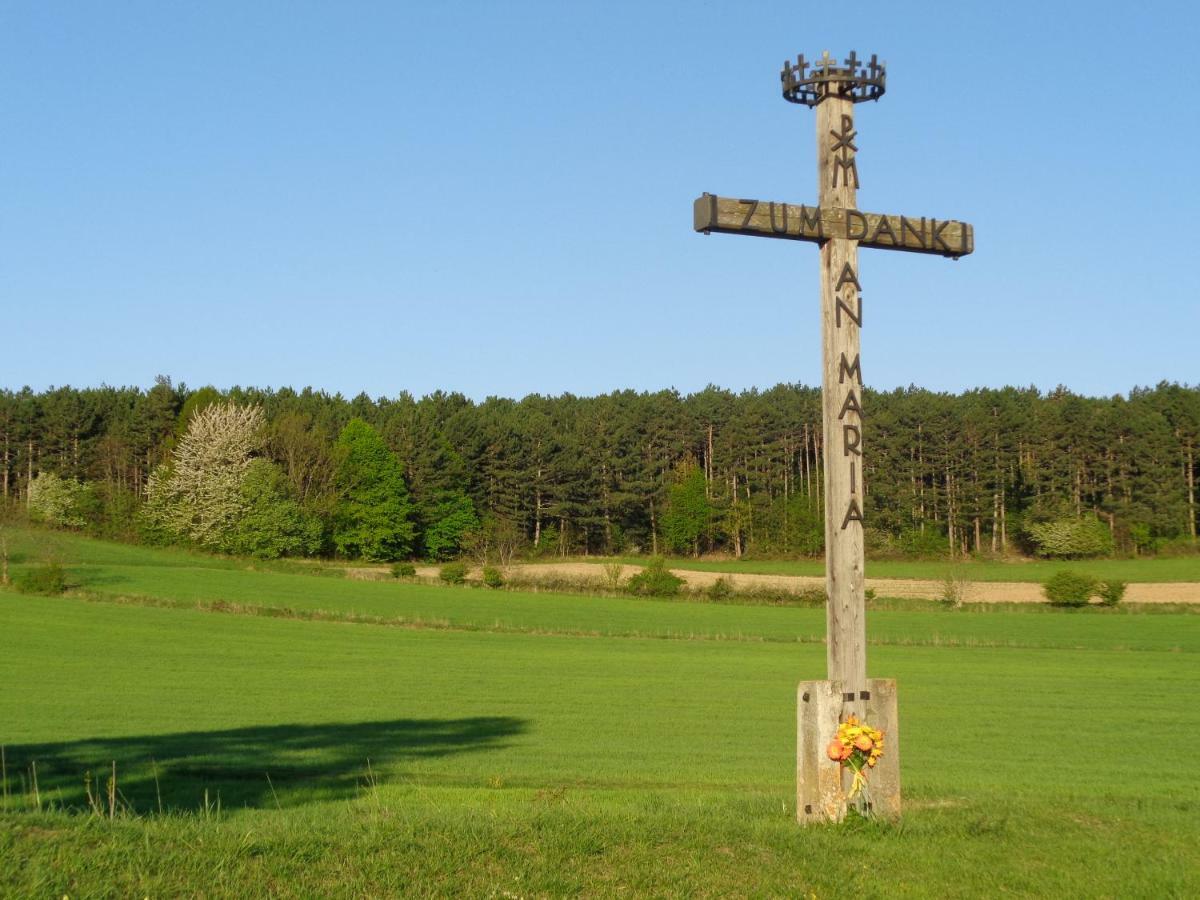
x,y
509,744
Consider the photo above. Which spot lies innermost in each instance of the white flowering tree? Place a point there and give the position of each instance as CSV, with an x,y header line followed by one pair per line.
x,y
198,494
56,501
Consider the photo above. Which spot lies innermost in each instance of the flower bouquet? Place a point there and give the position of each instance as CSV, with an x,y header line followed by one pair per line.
x,y
857,746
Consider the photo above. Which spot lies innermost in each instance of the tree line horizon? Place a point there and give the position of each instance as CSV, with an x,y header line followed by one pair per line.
x,y
984,471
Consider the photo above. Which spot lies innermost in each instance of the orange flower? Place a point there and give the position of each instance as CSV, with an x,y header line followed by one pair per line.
x,y
863,743
837,751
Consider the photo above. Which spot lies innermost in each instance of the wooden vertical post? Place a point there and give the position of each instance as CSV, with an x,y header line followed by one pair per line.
x,y
841,320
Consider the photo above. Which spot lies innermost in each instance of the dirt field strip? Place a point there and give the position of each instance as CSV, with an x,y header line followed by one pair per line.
x,y
974,591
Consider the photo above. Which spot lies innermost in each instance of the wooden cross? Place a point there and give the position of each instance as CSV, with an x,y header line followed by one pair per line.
x,y
839,228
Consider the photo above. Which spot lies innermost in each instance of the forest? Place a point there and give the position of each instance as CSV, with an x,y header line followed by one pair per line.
x,y
988,471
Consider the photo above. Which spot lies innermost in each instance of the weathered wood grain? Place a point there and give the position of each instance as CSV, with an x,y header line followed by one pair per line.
x,y
789,221
883,712
818,778
841,420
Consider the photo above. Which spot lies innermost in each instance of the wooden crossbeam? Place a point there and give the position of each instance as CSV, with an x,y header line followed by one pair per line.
x,y
761,218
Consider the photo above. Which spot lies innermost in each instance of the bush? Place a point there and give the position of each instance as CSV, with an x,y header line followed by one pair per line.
x,y
720,590
48,579
655,580
403,570
1111,592
1069,589
1071,538
453,573
492,577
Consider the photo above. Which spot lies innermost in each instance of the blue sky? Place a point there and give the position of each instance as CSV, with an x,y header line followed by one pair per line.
x,y
496,198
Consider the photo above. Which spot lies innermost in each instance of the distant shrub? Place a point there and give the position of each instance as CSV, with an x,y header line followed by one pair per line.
x,y
955,588
1070,538
1069,589
720,590
453,573
492,577
1111,592
403,570
47,579
655,580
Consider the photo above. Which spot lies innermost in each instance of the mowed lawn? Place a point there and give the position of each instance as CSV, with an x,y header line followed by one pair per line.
x,y
1043,753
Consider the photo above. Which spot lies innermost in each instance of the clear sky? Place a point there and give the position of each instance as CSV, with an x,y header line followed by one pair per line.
x,y
496,198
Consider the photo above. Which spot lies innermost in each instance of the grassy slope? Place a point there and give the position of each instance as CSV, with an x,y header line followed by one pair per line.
x,y
107,570
533,763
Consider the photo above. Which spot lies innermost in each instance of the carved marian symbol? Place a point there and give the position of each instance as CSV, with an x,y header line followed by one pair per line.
x,y
843,147
852,372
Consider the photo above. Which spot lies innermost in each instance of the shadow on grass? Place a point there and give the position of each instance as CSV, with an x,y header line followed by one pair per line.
x,y
284,765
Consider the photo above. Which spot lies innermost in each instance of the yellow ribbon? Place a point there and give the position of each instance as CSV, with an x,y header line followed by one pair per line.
x,y
859,783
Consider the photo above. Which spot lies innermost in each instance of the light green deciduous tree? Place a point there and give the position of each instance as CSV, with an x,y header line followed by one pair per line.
x,y
373,516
